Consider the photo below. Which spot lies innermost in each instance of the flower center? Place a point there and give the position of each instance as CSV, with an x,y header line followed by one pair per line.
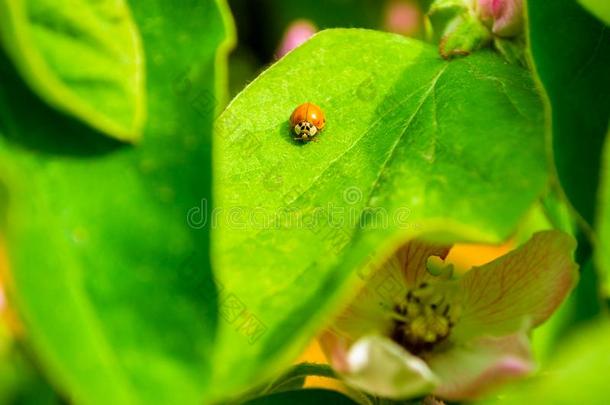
x,y
422,320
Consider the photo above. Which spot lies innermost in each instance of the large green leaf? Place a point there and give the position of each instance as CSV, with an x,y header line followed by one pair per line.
x,y
83,57
414,145
572,63
600,8
113,286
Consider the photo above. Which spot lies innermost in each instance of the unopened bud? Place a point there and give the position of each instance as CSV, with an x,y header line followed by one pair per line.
x,y
504,16
296,33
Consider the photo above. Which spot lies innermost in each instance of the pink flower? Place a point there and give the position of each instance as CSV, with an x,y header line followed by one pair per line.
x,y
504,16
403,17
415,329
296,33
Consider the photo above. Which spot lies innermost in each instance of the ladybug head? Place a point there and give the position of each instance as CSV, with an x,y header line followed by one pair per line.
x,y
305,127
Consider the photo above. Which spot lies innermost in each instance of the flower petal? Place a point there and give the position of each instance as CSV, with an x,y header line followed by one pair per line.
x,y
469,371
370,312
526,284
412,260
381,367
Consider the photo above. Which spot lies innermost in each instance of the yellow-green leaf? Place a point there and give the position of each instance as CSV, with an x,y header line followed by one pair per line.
x,y
83,57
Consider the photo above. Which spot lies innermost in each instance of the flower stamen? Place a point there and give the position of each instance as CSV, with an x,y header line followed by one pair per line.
x,y
422,320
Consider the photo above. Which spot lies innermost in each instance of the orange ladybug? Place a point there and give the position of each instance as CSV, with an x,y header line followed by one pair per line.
x,y
307,120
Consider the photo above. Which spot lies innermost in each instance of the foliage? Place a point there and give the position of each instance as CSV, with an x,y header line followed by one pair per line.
x,y
106,88
154,255
599,8
414,131
571,65
112,285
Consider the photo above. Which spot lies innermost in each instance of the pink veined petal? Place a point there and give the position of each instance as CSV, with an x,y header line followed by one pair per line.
x,y
335,349
379,366
412,259
471,370
370,312
526,284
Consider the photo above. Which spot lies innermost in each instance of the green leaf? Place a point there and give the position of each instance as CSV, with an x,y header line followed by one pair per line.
x,y
578,372
296,376
572,63
20,380
304,397
413,145
112,284
602,252
83,57
599,8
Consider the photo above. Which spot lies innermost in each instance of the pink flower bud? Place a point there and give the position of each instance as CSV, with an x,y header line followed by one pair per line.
x,y
505,16
402,17
296,33
486,10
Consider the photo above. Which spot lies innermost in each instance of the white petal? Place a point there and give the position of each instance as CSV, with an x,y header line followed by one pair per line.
x,y
379,366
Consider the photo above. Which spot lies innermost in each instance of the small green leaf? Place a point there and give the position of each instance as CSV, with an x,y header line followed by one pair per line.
x,y
112,284
599,8
413,145
295,378
83,57
572,62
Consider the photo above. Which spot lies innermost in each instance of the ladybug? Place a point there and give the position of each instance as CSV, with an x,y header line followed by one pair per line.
x,y
307,120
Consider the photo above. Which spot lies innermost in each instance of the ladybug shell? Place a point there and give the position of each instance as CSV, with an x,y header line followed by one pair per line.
x,y
308,112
